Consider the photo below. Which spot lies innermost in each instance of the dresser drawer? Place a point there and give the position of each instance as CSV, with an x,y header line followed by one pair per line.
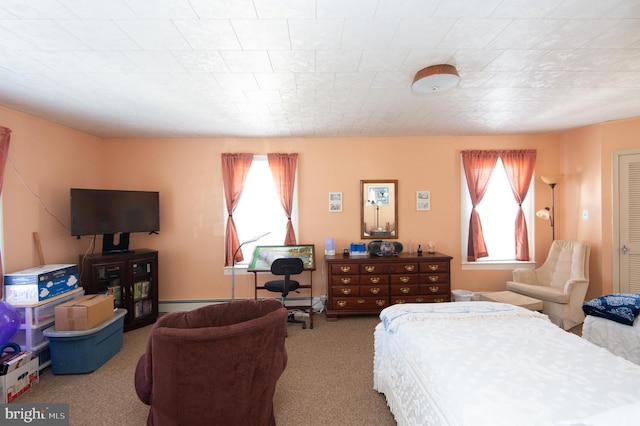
x,y
419,299
432,289
434,278
344,268
354,303
345,279
345,291
405,290
403,268
404,279
374,280
374,290
435,266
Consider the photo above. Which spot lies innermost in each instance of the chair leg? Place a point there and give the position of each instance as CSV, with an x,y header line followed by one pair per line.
x,y
292,318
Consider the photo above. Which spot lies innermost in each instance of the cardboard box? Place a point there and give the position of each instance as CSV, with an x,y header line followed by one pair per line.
x,y
40,283
19,381
84,312
79,352
12,360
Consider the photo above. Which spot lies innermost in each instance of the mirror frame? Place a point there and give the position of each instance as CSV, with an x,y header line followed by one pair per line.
x,y
364,202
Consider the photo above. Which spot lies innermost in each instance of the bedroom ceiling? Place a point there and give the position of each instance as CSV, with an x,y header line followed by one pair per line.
x,y
318,68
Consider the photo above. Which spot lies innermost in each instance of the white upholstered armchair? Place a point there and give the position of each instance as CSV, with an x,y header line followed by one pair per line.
x,y
561,282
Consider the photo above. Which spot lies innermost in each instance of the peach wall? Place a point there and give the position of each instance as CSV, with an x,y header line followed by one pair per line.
x,y
187,174
47,160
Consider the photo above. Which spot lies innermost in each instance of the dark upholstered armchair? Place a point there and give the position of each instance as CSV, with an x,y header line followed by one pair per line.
x,y
215,365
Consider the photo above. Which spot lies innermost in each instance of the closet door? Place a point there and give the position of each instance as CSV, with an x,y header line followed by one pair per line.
x,y
628,195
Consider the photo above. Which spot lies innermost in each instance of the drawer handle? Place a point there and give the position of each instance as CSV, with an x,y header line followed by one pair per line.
x,y
369,268
345,290
409,268
405,279
345,268
381,302
374,280
405,290
434,288
419,299
374,290
342,303
345,280
399,301
361,301
438,300
433,278
433,267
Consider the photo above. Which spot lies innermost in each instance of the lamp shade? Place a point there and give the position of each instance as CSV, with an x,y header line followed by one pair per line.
x,y
551,179
435,78
544,214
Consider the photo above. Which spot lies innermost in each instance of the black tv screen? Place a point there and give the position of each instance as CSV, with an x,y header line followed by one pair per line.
x,y
106,211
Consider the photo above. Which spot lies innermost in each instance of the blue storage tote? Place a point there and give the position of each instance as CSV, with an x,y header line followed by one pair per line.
x,y
84,351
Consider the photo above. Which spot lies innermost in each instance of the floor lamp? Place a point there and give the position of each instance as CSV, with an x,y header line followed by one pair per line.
x,y
546,213
233,264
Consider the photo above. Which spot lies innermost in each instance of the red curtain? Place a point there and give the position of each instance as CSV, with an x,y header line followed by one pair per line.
x,y
519,166
478,167
235,168
5,136
283,169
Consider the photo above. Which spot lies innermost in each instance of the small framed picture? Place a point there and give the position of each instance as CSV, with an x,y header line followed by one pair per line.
x,y
335,202
423,200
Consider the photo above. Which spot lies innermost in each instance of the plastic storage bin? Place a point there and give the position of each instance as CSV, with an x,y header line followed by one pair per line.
x,y
462,295
84,351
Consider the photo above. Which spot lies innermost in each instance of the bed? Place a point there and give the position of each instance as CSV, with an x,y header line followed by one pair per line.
x,y
613,322
487,363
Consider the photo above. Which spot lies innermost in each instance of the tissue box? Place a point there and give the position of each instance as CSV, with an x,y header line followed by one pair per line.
x,y
40,283
84,312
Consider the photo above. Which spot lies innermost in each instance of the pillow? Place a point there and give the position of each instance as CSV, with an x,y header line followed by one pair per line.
x,y
621,307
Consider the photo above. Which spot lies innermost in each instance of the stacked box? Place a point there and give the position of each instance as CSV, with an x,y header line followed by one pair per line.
x,y
84,312
40,283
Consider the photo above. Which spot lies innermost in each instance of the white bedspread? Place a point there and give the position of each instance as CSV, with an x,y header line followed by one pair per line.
x,y
620,339
485,363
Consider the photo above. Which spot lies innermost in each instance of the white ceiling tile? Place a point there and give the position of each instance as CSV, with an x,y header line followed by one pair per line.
x,y
240,61
421,33
224,9
44,34
162,9
368,33
126,68
154,34
211,34
473,33
346,9
285,9
293,60
315,33
270,34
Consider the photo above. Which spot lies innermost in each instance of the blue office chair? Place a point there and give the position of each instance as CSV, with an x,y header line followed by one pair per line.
x,y
286,266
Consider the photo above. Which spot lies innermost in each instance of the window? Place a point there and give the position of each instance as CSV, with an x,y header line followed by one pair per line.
x,y
259,210
498,215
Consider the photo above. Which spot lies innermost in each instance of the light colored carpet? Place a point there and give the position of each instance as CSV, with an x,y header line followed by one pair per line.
x,y
328,380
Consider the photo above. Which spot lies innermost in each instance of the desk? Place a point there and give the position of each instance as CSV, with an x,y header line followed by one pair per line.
x,y
263,256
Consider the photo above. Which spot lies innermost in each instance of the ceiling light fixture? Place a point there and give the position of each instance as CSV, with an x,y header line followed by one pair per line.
x,y
435,78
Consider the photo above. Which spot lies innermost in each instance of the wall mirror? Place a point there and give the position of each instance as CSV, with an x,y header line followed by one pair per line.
x,y
378,209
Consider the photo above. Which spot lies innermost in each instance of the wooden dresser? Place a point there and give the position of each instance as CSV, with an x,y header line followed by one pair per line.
x,y
366,285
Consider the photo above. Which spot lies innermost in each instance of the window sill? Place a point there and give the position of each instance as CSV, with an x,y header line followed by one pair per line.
x,y
239,270
497,265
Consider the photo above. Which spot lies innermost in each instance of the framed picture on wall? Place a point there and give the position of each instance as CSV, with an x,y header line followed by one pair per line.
x,y
423,200
335,202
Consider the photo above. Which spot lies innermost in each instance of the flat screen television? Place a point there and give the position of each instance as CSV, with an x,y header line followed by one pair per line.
x,y
111,212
